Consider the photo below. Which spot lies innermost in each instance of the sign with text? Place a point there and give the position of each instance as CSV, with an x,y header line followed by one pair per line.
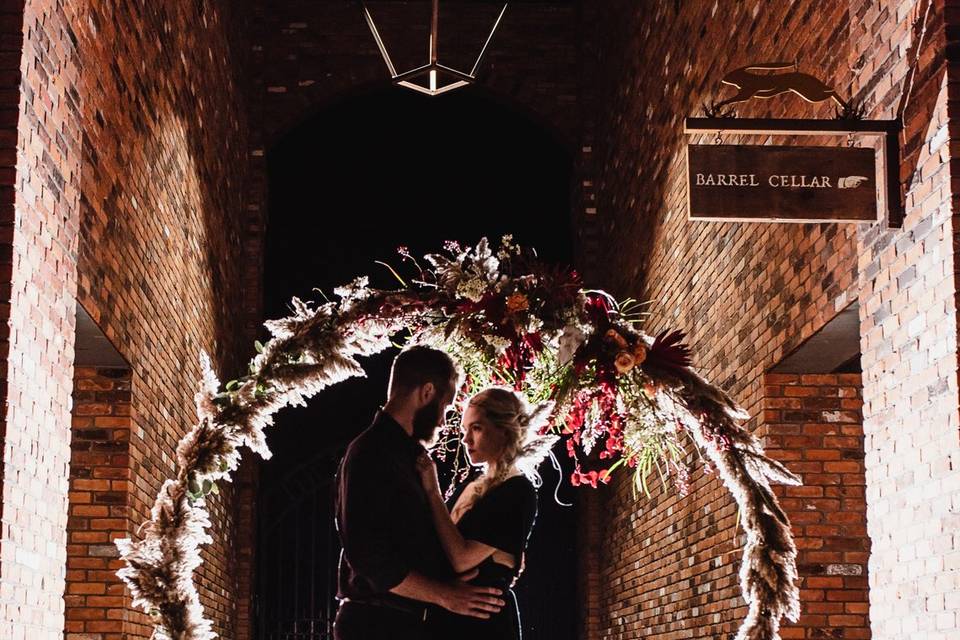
x,y
783,184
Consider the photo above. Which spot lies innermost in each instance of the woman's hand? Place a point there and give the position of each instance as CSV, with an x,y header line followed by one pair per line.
x,y
428,472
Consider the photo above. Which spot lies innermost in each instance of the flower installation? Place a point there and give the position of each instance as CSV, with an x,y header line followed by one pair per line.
x,y
623,401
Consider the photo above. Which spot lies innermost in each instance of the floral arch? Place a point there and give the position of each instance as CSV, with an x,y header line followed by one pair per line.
x,y
622,400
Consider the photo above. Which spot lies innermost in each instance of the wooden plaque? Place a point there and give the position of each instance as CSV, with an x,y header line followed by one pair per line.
x,y
782,184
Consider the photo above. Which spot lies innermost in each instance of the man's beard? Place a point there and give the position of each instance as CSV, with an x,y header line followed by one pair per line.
x,y
426,420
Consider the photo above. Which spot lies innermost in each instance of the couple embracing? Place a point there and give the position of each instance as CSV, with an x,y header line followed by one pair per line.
x,y
413,567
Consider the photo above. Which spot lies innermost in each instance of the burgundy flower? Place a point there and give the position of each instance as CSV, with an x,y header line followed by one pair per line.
x,y
598,309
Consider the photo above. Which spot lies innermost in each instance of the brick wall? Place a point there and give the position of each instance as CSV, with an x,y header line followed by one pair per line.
x,y
11,22
160,254
131,137
40,285
588,564
908,337
747,294
668,568
100,481
814,425
247,489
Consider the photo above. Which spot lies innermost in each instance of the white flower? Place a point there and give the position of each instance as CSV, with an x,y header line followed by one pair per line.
x,y
485,264
472,289
534,324
498,343
570,340
353,292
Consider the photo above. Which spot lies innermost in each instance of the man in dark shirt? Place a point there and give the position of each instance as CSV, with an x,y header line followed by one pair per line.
x,y
392,566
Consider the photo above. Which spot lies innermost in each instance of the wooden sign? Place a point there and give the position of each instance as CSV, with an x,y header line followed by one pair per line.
x,y
784,184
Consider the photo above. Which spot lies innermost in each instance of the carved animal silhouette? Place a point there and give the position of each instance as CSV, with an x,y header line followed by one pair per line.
x,y
753,85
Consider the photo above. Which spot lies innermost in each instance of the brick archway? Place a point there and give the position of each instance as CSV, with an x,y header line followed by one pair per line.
x,y
346,113
307,56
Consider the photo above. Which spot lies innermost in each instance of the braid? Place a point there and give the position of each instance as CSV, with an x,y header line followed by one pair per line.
x,y
524,447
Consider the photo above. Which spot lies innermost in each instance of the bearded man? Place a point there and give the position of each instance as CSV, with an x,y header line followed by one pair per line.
x,y
393,569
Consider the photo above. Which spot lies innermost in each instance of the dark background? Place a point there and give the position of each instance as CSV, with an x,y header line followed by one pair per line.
x,y
365,175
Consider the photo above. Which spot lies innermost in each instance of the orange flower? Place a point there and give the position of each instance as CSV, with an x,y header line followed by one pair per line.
x,y
640,352
624,362
517,302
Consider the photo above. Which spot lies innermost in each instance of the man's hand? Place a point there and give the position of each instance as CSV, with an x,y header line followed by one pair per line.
x,y
427,470
468,600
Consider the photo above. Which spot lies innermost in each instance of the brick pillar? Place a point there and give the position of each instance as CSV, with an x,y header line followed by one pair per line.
x,y
908,323
813,423
99,511
588,563
11,45
247,486
586,218
39,217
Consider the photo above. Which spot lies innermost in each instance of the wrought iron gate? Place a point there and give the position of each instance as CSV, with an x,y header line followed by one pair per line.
x,y
297,554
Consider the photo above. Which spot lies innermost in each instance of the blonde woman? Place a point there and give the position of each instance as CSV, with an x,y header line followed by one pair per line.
x,y
487,522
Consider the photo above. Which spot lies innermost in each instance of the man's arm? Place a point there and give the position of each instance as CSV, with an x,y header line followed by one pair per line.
x,y
368,529
458,596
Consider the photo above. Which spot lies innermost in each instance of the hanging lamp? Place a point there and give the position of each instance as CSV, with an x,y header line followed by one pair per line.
x,y
432,78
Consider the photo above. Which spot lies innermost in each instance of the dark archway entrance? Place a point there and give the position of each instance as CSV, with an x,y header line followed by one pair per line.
x,y
347,187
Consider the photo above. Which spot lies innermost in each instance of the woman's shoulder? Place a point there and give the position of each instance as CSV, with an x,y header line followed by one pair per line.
x,y
520,480
518,485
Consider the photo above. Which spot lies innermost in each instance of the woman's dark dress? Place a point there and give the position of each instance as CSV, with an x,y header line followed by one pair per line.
x,y
502,518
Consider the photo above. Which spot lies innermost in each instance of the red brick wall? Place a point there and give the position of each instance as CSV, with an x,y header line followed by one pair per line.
x,y
11,21
588,563
247,488
128,196
813,423
309,54
747,294
40,285
160,256
668,568
100,482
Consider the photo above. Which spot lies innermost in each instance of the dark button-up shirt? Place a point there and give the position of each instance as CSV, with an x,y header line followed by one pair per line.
x,y
382,515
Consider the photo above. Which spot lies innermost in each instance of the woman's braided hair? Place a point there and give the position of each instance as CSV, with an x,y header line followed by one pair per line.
x,y
524,446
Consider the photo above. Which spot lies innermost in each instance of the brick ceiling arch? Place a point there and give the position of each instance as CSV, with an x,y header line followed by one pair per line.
x,y
309,56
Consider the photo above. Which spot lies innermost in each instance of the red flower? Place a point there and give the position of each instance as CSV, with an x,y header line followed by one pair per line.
x,y
598,309
590,477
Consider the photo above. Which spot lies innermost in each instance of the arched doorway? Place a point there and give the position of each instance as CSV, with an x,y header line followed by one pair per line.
x,y
347,187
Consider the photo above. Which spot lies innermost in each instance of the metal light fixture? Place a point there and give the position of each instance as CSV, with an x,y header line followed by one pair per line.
x,y
433,71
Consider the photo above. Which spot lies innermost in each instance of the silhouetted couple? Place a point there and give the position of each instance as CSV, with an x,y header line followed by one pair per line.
x,y
413,567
